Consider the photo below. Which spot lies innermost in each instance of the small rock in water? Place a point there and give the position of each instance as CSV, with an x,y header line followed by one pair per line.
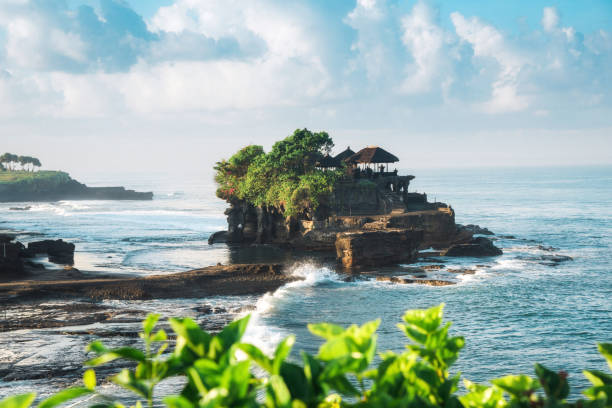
x,y
547,248
464,271
433,267
429,282
26,208
477,247
477,229
552,260
210,309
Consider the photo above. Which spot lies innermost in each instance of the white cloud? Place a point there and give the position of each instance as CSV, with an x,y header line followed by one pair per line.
x,y
373,43
424,39
206,56
550,19
488,42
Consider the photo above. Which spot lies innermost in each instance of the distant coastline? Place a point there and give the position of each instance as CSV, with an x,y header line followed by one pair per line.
x,y
20,186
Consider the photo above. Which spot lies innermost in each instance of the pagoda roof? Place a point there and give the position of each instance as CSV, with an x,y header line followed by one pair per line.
x,y
328,161
345,154
373,154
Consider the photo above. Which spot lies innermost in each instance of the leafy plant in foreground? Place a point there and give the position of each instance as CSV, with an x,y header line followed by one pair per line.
x,y
218,371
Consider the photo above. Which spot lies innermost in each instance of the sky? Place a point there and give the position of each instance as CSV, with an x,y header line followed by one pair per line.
x,y
141,85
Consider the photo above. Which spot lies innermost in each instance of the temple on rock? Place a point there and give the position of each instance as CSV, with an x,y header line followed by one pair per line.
x,y
367,216
369,167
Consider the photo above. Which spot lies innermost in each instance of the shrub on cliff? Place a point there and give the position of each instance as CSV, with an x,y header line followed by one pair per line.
x,y
285,178
217,371
25,181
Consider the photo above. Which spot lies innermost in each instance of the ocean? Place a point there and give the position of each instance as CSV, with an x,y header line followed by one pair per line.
x,y
517,309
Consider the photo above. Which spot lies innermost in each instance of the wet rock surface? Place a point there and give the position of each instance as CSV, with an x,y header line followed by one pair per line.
x,y
476,229
11,263
477,247
52,349
429,282
373,248
218,237
59,251
242,279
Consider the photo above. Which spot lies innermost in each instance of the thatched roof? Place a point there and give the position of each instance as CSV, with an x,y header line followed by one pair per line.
x,y
328,161
373,154
345,154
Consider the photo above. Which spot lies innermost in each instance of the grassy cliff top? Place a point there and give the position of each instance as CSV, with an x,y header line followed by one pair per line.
x,y
20,176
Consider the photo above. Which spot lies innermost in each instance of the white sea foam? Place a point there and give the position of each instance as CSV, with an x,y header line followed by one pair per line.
x,y
266,336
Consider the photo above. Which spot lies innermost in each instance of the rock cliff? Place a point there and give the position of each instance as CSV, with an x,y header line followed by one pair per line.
x,y
59,186
365,222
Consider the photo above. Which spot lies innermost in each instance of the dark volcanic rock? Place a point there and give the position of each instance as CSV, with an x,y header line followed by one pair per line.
x,y
375,248
218,237
226,280
477,229
26,208
552,260
429,282
10,260
6,238
59,251
477,247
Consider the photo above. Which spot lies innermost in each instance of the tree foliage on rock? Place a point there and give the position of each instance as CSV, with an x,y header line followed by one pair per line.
x,y
8,161
285,178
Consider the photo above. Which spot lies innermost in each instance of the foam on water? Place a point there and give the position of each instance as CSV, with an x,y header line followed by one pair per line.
x,y
267,336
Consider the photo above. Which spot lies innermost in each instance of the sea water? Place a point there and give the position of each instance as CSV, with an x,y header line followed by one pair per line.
x,y
517,309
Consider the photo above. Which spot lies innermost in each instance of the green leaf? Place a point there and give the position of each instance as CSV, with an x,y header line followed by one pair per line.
x,y
195,338
280,392
427,320
18,401
600,392
149,323
516,385
481,396
63,396
89,379
554,385
175,401
128,380
296,381
160,335
231,334
282,351
128,353
606,350
326,330
257,356
598,378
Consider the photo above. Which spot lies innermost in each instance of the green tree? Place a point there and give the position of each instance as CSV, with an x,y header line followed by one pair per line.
x,y
35,163
284,178
8,159
24,161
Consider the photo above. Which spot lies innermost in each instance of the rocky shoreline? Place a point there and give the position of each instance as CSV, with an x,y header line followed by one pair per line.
x,y
220,280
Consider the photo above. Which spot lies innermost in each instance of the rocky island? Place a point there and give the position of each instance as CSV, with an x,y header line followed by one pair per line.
x,y
299,196
26,184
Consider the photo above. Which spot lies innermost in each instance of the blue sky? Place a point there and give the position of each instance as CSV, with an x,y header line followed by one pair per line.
x,y
449,83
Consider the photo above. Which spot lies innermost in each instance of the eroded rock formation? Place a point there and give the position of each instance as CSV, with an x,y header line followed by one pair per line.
x,y
362,222
371,248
